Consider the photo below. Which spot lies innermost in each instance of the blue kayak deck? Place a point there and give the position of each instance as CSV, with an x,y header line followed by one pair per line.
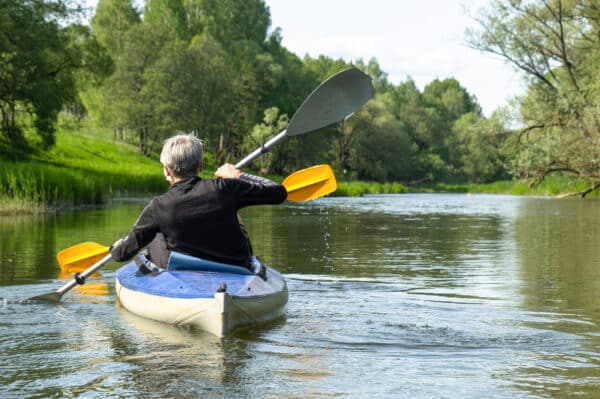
x,y
182,284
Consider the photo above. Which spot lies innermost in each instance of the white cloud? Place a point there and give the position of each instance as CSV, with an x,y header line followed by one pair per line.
x,y
421,39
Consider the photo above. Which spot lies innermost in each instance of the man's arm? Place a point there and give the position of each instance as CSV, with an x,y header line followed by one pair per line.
x,y
253,190
142,233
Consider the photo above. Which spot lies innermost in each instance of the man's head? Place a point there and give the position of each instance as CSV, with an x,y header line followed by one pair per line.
x,y
182,155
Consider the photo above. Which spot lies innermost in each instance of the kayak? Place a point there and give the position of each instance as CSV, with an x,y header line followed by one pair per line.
x,y
211,296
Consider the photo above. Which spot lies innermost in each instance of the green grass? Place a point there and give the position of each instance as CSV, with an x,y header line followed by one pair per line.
x,y
87,168
79,170
359,188
551,186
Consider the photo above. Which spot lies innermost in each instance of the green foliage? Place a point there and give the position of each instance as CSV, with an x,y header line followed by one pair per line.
x,y
556,45
360,188
444,102
232,21
207,89
273,123
191,65
377,144
111,21
36,68
478,147
130,93
171,16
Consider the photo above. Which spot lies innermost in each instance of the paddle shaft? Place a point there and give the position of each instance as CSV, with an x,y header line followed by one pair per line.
x,y
55,296
85,274
261,150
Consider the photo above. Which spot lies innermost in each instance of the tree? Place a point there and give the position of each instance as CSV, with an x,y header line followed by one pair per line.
x,y
95,65
111,21
423,122
446,101
273,123
169,15
556,45
374,144
139,92
207,90
292,80
478,147
36,67
233,21
450,98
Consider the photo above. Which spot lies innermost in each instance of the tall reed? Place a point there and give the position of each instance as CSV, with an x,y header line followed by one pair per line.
x,y
78,170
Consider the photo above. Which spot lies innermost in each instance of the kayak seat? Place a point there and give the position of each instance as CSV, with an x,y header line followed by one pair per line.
x,y
179,261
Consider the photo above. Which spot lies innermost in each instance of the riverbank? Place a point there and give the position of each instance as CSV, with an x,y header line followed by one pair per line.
x,y
87,168
81,169
553,186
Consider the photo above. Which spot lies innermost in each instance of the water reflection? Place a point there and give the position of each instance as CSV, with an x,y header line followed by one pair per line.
x,y
558,245
409,295
27,247
560,265
29,244
330,237
163,352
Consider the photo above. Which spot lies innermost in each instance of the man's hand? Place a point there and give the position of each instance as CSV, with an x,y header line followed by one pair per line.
x,y
228,171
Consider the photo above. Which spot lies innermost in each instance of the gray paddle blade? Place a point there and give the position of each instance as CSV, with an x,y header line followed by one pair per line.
x,y
49,297
335,99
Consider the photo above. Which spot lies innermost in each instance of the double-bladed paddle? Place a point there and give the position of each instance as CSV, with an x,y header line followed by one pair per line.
x,y
303,185
335,99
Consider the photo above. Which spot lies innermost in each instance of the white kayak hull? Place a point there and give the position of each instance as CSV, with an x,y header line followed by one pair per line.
x,y
247,300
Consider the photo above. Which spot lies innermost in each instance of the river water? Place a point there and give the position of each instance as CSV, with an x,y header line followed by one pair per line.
x,y
391,296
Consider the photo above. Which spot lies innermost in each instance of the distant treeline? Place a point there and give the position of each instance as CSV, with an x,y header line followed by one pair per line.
x,y
214,68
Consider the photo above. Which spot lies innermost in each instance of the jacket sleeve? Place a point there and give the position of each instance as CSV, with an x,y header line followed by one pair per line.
x,y
142,233
257,190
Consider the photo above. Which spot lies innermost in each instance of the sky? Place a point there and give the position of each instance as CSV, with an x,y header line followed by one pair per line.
x,y
420,39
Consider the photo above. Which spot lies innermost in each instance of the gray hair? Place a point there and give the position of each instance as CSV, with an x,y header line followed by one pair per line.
x,y
182,154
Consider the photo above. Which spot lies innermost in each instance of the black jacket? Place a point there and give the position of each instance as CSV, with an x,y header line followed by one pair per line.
x,y
199,217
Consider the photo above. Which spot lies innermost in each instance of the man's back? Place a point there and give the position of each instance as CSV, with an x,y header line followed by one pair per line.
x,y
199,217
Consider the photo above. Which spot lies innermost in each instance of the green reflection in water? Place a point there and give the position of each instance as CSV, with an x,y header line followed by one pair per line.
x,y
560,251
493,296
322,239
558,245
29,244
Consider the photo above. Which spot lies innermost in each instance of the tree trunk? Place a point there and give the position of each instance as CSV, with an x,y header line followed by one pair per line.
x,y
143,148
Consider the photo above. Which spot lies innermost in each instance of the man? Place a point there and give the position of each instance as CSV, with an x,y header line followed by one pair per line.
x,y
195,216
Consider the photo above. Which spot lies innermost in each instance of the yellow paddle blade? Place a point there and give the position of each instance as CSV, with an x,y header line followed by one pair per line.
x,y
310,183
81,256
